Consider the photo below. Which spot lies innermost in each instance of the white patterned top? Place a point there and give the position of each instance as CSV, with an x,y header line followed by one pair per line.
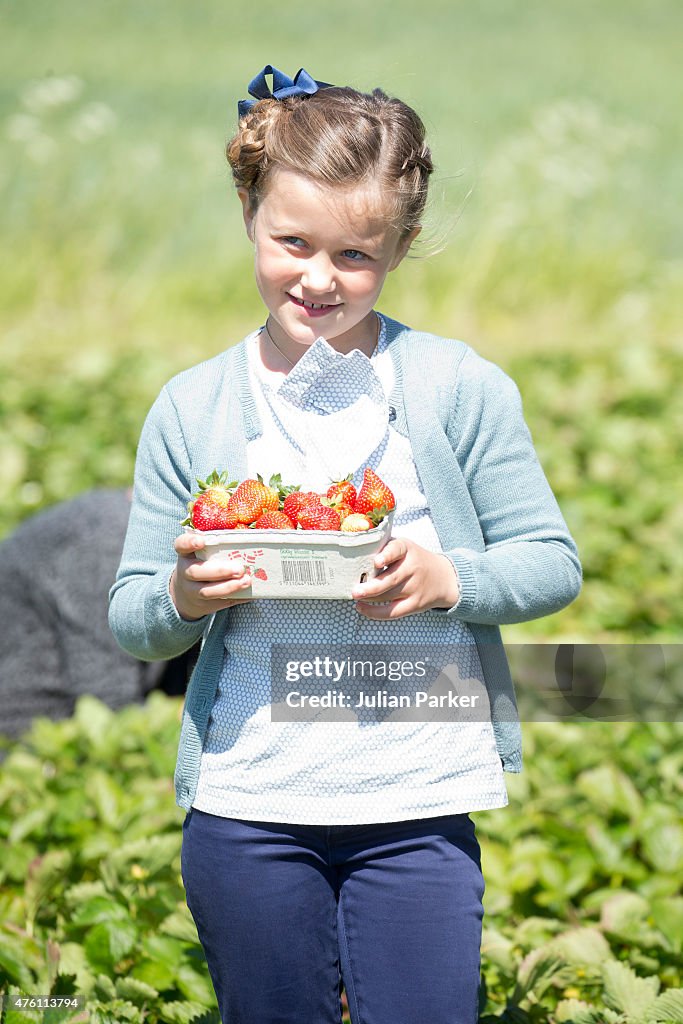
x,y
330,416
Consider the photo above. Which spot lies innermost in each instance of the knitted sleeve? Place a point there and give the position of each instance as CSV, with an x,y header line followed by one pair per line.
x,y
142,615
529,566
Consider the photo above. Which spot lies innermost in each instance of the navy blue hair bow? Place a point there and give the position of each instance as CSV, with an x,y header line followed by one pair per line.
x,y
301,85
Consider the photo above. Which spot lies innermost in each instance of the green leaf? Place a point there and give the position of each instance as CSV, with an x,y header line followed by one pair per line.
x,y
78,894
14,969
16,857
611,790
195,986
626,992
498,949
668,918
104,987
135,991
107,943
536,931
605,844
581,946
181,1013
662,839
98,909
43,875
575,1011
154,853
668,1007
32,823
156,973
625,916
73,961
115,1011
94,718
164,948
622,911
535,974
180,924
106,796
213,1017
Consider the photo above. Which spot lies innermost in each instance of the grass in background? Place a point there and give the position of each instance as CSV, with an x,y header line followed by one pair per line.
x,y
553,128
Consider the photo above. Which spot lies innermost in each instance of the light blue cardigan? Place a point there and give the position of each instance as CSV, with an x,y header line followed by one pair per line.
x,y
490,502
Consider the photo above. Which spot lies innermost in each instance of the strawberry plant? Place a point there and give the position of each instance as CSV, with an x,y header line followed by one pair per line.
x,y
584,917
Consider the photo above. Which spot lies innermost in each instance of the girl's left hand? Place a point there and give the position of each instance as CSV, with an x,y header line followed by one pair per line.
x,y
413,580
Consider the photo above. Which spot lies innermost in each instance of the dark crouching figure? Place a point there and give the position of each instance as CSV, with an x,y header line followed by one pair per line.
x,y
55,643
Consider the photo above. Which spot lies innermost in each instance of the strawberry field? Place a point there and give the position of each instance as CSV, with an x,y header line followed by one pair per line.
x,y
584,916
552,245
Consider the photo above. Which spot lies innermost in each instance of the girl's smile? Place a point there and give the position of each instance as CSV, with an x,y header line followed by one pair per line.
x,y
321,257
313,309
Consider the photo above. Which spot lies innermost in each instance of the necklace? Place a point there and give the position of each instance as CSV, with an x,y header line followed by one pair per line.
x,y
276,347
286,357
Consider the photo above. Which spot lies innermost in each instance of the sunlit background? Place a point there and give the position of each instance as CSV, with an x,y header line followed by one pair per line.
x,y
552,243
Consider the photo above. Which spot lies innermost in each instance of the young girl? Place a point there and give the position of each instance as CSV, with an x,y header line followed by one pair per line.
x,y
317,854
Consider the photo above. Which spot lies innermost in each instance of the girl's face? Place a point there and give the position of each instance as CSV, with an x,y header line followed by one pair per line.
x,y
321,258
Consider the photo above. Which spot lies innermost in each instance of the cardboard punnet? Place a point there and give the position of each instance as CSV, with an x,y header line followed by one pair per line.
x,y
299,563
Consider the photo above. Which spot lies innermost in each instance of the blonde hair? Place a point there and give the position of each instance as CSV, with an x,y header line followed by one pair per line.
x,y
337,137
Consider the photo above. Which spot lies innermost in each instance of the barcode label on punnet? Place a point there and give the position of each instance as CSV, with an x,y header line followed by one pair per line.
x,y
302,572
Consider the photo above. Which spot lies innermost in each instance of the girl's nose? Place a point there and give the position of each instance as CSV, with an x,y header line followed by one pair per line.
x,y
318,274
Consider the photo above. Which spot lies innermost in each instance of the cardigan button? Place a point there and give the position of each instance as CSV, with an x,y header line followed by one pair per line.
x,y
392,413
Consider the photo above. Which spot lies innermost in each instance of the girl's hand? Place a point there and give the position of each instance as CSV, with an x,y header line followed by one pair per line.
x,y
201,588
413,580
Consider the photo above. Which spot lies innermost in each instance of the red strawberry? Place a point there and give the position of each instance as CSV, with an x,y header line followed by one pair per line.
x,y
374,495
212,512
343,491
356,523
253,497
210,509
261,574
297,500
319,517
273,521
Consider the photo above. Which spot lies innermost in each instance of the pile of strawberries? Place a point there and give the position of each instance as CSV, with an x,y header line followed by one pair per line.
x,y
253,504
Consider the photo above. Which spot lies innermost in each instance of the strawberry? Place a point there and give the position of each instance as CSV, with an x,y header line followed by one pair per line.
x,y
297,500
343,491
343,509
273,521
261,574
253,497
283,490
356,523
319,517
210,509
374,495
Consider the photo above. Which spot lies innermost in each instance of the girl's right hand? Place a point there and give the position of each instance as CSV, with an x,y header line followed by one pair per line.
x,y
201,588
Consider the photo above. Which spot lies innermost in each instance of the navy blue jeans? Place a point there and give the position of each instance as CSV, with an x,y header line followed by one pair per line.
x,y
286,914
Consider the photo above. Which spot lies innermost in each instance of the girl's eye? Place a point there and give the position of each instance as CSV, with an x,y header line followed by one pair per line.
x,y
355,254
292,240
